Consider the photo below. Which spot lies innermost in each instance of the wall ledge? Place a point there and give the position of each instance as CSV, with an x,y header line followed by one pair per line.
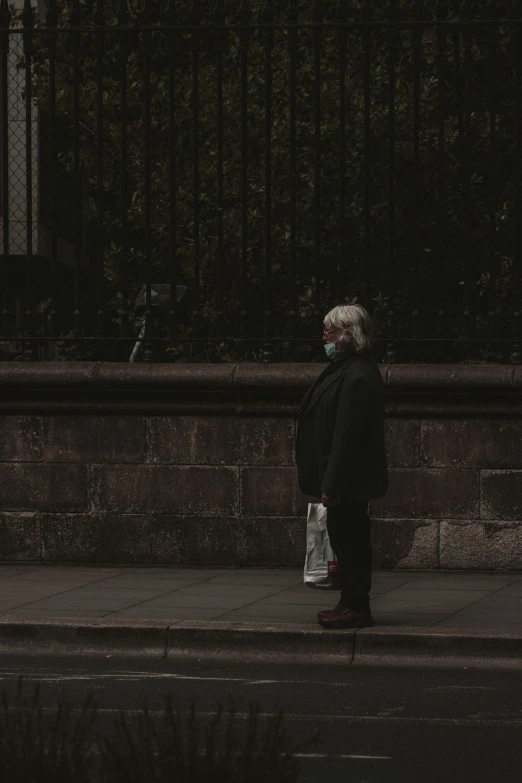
x,y
413,390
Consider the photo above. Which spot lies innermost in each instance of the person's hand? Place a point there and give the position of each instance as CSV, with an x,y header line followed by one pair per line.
x,y
329,501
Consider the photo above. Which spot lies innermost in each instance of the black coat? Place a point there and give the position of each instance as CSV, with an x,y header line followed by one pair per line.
x,y
340,444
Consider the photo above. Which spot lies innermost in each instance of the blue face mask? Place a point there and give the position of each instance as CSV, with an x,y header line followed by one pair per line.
x,y
331,350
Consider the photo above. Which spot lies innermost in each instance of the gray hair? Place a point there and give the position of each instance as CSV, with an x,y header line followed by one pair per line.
x,y
354,324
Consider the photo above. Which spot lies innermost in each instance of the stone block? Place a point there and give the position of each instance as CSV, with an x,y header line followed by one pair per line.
x,y
481,545
501,494
163,376
43,487
405,543
20,537
470,443
402,442
88,438
276,377
430,494
516,456
271,541
207,440
165,489
47,375
271,491
20,438
111,538
458,378
266,441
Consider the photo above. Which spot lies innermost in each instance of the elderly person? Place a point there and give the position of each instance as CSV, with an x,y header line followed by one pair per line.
x,y
340,455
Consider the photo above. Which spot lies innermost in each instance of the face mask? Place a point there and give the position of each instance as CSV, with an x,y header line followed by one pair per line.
x,y
331,350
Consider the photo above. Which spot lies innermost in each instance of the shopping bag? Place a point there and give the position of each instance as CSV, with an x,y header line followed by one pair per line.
x,y
321,564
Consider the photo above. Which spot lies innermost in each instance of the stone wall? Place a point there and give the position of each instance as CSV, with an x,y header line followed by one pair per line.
x,y
195,464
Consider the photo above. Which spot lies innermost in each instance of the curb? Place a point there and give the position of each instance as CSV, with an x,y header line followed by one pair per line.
x,y
449,644
261,641
77,635
266,641
363,646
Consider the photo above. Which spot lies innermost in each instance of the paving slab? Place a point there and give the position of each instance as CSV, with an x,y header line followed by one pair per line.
x,y
499,601
167,583
15,585
202,589
464,582
259,579
7,571
322,600
500,619
172,614
304,621
408,619
177,571
108,604
74,572
447,601
514,590
222,602
84,613
289,614
140,593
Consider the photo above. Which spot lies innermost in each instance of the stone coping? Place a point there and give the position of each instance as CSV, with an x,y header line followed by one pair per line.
x,y
255,389
249,376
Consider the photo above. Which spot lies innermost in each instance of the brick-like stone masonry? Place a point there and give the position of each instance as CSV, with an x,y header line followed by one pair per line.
x,y
213,489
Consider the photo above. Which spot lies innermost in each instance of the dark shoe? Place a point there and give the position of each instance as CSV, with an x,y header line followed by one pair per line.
x,y
328,612
342,617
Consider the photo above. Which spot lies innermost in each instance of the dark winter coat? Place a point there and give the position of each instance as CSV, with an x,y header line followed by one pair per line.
x,y
340,445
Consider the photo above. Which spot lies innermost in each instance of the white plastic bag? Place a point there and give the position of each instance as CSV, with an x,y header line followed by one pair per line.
x,y
320,563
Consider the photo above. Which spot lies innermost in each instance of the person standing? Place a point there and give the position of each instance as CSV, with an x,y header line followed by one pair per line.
x,y
341,455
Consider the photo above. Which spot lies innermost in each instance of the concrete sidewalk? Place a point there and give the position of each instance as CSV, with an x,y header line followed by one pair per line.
x,y
406,605
421,599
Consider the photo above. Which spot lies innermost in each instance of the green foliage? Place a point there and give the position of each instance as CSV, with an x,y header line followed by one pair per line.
x,y
439,256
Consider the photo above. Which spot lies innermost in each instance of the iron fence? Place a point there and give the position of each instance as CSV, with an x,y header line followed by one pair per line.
x,y
204,181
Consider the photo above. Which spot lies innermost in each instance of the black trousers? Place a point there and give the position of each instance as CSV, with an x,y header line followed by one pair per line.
x,y
349,530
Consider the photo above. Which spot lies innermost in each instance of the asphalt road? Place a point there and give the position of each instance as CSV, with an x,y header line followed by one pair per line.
x,y
378,724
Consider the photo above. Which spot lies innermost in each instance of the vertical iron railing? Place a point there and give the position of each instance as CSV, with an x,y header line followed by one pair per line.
x,y
28,22
100,243
243,19
292,19
268,45
219,20
169,19
469,283
416,240
516,299
123,22
367,149
459,97
195,46
400,189
51,18
317,17
342,35
146,49
75,42
5,20
492,270
440,245
391,324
